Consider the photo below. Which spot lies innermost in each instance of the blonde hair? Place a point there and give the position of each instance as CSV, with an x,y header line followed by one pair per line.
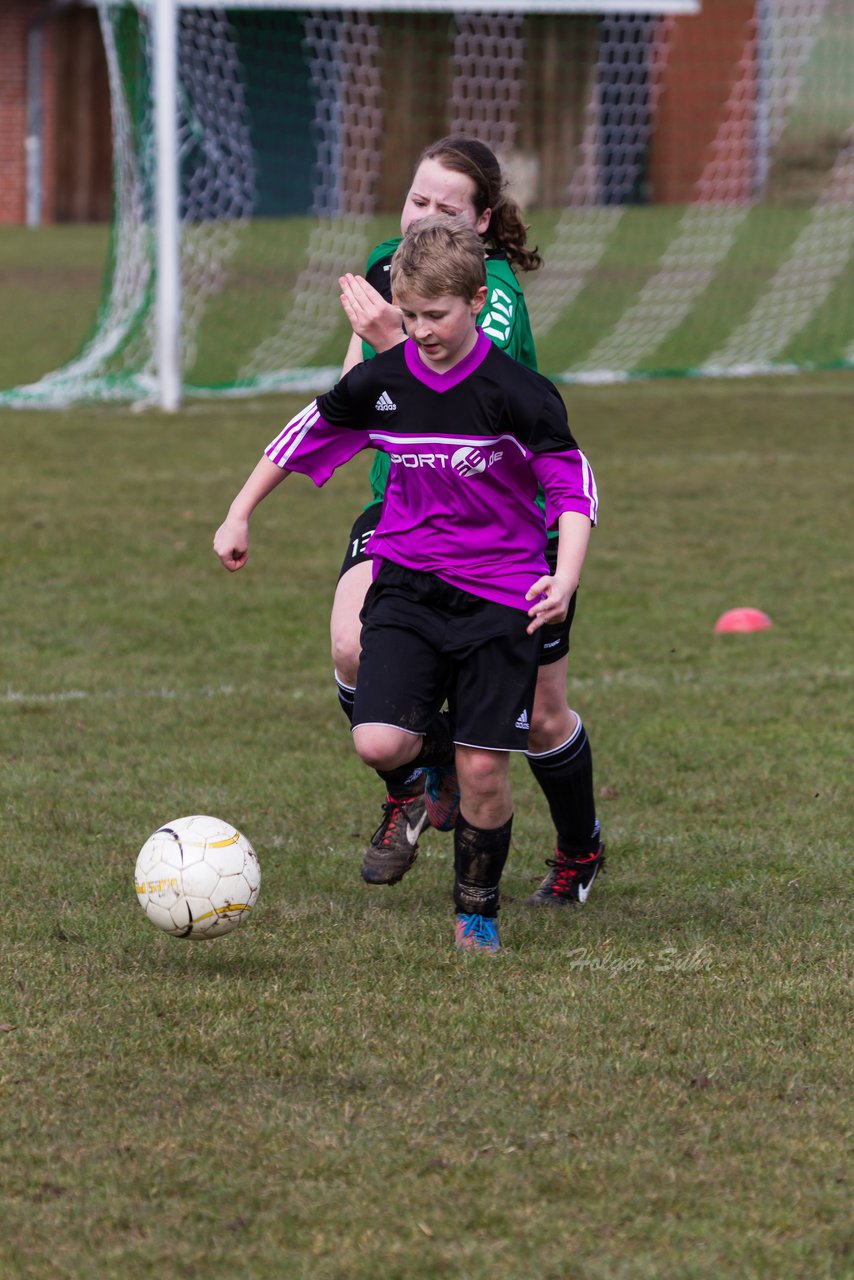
x,y
439,256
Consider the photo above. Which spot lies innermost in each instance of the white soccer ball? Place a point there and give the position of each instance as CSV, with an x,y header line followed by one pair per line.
x,y
197,877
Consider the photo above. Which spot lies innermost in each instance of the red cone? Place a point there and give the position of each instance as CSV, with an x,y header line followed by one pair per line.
x,y
743,620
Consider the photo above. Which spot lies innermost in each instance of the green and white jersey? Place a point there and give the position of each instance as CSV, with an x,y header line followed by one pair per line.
x,y
504,320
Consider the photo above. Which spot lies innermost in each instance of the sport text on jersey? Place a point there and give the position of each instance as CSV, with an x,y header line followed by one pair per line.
x,y
465,462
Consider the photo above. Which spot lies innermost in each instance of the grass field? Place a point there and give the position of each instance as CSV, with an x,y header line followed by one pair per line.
x,y
656,1086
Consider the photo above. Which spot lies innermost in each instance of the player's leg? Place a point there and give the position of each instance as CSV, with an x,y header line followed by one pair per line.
x,y
552,720
561,761
397,725
345,624
491,699
403,808
481,845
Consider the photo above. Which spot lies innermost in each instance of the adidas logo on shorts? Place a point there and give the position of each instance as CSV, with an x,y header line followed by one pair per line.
x,y
522,722
385,403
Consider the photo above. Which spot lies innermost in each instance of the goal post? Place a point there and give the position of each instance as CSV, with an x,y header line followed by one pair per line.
x,y
168,222
687,169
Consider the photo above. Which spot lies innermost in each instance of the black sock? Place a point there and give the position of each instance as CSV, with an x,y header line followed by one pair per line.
x,y
403,783
436,748
438,744
479,858
565,776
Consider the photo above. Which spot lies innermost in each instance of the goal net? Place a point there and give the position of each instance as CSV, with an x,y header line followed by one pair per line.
x,y
687,170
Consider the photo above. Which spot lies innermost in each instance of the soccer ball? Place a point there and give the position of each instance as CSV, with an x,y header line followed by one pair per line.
x,y
197,878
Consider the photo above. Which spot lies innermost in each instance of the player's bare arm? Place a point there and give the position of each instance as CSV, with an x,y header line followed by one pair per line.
x,y
372,319
556,590
353,355
231,540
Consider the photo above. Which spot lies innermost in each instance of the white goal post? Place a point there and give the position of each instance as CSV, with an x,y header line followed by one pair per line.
x,y
168,307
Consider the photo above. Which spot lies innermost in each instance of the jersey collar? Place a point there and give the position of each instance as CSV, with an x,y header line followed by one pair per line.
x,y
453,377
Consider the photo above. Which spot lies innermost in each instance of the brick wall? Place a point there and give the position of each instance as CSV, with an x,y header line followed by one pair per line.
x,y
15,16
709,87
75,167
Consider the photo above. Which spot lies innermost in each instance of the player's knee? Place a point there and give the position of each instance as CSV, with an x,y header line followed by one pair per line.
x,y
483,781
552,720
384,747
551,729
346,651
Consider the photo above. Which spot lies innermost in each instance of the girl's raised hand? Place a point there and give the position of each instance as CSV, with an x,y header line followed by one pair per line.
x,y
373,319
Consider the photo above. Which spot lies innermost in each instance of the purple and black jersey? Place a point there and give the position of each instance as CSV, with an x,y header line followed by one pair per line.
x,y
467,448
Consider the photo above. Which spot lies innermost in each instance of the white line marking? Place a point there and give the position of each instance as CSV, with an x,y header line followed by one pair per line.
x,y
626,679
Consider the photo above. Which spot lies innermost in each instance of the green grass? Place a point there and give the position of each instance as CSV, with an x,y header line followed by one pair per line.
x,y
50,284
655,1086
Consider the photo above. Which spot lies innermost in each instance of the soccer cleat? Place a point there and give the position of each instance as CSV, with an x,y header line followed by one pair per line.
x,y
569,879
476,933
394,844
442,797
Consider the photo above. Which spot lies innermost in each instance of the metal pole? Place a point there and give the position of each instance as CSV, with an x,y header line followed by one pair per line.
x,y
168,293
34,125
762,139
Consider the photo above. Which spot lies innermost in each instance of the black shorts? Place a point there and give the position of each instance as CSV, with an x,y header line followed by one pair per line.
x,y
424,641
553,637
363,526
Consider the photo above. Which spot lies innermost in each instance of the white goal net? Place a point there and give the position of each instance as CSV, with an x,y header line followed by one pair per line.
x,y
688,176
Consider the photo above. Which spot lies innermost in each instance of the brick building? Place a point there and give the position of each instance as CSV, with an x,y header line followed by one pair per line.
x,y
54,113
55,129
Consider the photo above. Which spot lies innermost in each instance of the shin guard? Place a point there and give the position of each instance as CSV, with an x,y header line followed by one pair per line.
x,y
479,858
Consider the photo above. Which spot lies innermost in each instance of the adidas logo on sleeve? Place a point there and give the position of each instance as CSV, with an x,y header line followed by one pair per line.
x,y
385,403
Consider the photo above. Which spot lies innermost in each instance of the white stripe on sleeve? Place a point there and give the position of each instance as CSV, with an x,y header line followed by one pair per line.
x,y
280,449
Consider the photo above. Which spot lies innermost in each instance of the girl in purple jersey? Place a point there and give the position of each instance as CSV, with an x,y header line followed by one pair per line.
x,y
449,616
